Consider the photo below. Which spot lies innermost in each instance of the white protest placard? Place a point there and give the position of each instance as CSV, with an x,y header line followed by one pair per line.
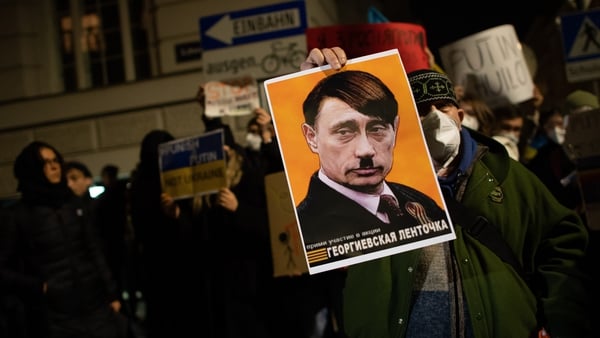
x,y
233,97
193,165
491,65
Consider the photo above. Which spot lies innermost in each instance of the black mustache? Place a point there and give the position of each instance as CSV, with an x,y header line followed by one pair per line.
x,y
366,162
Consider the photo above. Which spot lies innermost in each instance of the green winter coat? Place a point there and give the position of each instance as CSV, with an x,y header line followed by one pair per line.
x,y
548,238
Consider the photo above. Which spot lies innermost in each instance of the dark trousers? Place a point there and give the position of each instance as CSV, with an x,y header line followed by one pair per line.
x,y
102,323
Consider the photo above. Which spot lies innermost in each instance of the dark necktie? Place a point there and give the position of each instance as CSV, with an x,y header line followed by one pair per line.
x,y
389,206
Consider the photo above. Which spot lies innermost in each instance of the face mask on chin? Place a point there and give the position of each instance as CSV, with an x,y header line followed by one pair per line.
x,y
471,122
253,141
512,137
557,134
442,135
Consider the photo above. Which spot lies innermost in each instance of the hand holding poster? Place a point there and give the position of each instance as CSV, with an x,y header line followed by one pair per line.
x,y
339,165
491,65
192,166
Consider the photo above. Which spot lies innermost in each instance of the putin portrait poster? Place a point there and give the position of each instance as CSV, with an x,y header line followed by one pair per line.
x,y
356,163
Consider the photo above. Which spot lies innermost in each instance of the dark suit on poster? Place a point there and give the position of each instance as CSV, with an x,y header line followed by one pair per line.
x,y
326,214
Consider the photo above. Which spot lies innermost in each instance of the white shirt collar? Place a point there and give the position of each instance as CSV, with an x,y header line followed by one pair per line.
x,y
367,201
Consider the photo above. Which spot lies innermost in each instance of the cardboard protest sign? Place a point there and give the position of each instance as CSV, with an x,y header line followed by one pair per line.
x,y
193,166
589,183
350,230
364,39
491,65
286,245
582,144
581,138
234,97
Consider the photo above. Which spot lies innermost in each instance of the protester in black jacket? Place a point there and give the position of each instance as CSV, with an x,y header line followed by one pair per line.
x,y
50,255
156,237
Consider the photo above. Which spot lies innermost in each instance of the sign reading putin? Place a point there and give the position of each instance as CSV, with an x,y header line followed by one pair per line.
x,y
491,65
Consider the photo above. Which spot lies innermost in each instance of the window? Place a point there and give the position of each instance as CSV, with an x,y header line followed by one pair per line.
x,y
109,45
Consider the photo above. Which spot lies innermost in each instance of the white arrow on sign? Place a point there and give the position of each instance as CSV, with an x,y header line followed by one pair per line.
x,y
226,29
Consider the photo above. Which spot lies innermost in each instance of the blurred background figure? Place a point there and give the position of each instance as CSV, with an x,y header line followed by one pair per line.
x,y
110,176
262,148
580,100
478,115
552,126
110,216
79,178
551,163
507,128
156,237
232,291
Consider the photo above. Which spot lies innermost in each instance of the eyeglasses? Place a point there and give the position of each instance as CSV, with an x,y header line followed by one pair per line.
x,y
50,161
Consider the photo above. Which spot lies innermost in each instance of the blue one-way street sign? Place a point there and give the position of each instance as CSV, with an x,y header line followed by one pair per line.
x,y
252,25
258,42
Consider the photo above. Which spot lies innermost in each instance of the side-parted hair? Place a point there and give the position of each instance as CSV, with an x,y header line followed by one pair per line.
x,y
362,91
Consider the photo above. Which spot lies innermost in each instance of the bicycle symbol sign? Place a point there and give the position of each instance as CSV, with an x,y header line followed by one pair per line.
x,y
282,54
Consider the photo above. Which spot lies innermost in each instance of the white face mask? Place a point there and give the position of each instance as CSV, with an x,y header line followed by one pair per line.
x,y
253,141
442,136
507,139
512,137
470,121
557,134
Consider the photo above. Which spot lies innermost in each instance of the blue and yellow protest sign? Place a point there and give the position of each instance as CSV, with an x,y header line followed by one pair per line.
x,y
193,166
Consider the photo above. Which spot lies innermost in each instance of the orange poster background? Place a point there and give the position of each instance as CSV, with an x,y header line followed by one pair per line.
x,y
411,164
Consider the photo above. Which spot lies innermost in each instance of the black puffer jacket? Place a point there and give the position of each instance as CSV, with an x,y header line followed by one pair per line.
x,y
47,237
43,244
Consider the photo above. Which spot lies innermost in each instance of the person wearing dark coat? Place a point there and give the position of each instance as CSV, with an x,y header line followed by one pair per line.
x,y
157,241
226,248
50,255
110,219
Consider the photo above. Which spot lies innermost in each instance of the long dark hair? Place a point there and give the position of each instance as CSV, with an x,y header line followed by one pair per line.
x,y
35,188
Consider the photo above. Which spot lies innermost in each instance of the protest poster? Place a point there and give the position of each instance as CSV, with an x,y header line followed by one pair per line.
x,y
340,230
364,39
589,183
491,65
232,97
286,245
193,165
582,144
